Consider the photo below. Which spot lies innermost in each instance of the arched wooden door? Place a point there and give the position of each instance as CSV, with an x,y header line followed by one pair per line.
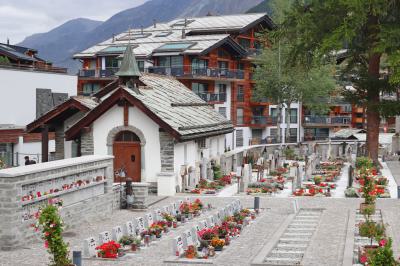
x,y
127,156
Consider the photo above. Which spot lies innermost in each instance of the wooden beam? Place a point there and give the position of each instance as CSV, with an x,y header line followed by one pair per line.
x,y
45,143
126,114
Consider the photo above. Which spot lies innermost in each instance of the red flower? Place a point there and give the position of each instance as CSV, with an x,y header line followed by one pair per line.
x,y
363,259
46,244
382,242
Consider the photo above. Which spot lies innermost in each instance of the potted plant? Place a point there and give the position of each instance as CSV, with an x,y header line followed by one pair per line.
x,y
368,190
191,252
133,242
168,218
217,243
383,255
317,180
108,250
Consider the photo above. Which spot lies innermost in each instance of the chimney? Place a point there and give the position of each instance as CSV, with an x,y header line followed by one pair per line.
x,y
8,41
183,33
113,37
186,22
154,23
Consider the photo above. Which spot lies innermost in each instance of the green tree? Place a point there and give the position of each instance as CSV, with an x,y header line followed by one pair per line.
x,y
369,33
284,84
4,60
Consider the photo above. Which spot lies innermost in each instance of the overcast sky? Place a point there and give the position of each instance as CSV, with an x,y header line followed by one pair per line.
x,y
21,18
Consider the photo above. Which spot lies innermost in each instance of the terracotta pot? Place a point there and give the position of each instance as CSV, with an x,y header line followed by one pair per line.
x,y
190,256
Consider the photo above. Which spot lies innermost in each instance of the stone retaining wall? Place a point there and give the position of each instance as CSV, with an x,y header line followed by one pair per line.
x,y
92,200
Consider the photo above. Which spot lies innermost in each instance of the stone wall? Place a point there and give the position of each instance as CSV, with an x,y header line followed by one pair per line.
x,y
87,147
167,152
59,140
23,189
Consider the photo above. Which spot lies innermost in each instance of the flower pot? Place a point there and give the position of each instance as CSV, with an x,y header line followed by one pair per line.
x,y
218,248
190,256
364,206
174,224
133,247
169,224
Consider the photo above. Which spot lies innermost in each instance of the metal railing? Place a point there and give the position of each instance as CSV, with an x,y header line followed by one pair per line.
x,y
213,97
326,120
177,71
36,68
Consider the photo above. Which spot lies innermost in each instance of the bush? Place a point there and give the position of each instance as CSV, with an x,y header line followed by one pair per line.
x,y
372,230
289,154
382,256
364,162
52,228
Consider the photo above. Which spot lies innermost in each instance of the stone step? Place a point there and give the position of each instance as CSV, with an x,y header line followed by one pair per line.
x,y
299,229
278,253
291,246
269,261
293,240
294,235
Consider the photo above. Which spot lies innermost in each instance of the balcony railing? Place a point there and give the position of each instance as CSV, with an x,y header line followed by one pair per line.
x,y
326,120
177,71
213,97
36,68
263,120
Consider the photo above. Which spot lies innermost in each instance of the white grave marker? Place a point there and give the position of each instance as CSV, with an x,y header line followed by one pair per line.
x,y
89,247
117,233
177,245
211,221
167,209
140,224
129,229
187,238
104,237
149,219
158,214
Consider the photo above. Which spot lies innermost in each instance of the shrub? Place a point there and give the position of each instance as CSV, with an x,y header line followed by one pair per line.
x,y
382,256
372,230
52,228
364,162
289,153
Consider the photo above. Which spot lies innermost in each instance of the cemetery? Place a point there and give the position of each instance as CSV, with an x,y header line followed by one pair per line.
x,y
294,211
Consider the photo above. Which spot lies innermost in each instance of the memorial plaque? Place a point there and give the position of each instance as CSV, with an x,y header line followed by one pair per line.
x,y
188,239
140,224
158,215
104,237
89,247
117,233
149,220
129,229
177,245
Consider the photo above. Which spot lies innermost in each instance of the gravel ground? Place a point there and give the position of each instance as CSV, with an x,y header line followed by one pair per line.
x,y
326,247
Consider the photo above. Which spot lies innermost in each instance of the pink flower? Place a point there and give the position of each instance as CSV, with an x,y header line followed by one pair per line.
x,y
46,244
382,242
363,259
46,233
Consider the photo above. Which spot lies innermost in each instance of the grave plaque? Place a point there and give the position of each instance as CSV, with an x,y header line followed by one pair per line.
x,y
157,214
89,247
149,219
140,224
187,238
195,236
216,219
129,229
104,237
173,208
210,221
167,209
117,233
178,246
204,224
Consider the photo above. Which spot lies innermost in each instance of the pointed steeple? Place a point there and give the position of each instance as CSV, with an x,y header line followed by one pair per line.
x,y
129,66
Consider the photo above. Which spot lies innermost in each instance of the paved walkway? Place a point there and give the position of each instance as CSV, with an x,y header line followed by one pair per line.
x,y
342,183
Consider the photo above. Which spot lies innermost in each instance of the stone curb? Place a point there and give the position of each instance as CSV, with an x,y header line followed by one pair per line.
x,y
349,241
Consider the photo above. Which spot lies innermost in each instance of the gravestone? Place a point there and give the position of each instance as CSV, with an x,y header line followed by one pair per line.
x,y
129,229
177,246
192,177
104,237
221,214
157,215
244,181
196,240
211,221
216,219
204,224
149,220
198,227
117,233
293,171
188,239
89,247
167,209
140,224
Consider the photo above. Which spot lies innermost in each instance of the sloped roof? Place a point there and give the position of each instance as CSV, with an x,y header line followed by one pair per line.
x,y
12,52
347,133
169,103
202,32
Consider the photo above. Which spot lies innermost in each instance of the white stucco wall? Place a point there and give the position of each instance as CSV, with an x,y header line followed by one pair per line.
x,y
114,118
18,88
31,149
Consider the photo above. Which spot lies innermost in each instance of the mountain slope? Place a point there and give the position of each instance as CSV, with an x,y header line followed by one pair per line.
x,y
260,8
58,45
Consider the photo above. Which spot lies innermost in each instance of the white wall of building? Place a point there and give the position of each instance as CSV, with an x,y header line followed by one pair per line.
x,y
18,101
31,149
114,118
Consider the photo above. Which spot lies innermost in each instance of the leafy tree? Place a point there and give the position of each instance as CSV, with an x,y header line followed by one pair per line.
x,y
369,31
284,84
4,60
